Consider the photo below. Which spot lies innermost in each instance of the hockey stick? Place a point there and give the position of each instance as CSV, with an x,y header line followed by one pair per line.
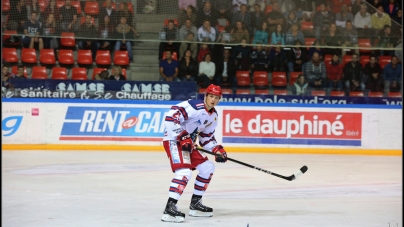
x,y
289,178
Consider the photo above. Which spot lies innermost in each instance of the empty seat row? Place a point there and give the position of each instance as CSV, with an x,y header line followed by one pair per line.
x,y
60,73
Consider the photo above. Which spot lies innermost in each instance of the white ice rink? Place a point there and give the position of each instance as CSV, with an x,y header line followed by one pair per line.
x,y
107,189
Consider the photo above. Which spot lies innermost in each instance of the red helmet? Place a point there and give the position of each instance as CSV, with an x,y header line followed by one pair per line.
x,y
214,90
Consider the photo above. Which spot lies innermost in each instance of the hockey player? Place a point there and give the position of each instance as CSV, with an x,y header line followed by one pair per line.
x,y
184,122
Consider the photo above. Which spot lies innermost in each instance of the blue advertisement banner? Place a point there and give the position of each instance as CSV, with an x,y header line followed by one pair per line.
x,y
309,99
100,89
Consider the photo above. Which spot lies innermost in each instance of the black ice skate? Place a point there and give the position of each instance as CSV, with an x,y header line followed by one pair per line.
x,y
171,214
197,209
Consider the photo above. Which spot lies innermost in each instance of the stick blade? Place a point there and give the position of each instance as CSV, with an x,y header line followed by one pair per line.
x,y
298,174
303,169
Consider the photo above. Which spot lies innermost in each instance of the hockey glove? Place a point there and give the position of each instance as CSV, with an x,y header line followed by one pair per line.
x,y
185,141
220,154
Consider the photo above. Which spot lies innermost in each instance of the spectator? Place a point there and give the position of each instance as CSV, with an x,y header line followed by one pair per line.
x,y
5,77
300,86
343,16
125,12
286,6
187,28
117,74
333,40
291,19
241,55
322,20
372,74
88,30
259,59
187,14
373,5
294,34
393,76
239,33
244,17
226,71
106,31
334,73
225,4
336,5
363,22
125,32
206,14
275,17
278,37
253,3
304,9
20,73
49,32
257,18
104,75
237,5
296,57
109,11
207,70
356,6
33,6
385,41
353,75
315,73
223,19
316,49
398,17
206,32
188,67
169,69
18,12
277,60
391,8
189,45
203,50
171,36
52,9
350,37
261,35
68,17
379,19
31,31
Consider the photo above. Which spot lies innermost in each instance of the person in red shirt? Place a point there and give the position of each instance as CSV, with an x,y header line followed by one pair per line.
x,y
334,73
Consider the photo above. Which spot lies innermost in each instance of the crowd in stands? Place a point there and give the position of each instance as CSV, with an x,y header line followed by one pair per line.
x,y
211,40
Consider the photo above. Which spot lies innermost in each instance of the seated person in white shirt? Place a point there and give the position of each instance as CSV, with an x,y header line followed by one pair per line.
x,y
206,32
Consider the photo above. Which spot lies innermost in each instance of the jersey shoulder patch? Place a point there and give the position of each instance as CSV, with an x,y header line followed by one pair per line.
x,y
197,104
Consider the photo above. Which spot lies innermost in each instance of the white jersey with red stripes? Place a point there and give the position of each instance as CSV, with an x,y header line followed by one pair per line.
x,y
193,117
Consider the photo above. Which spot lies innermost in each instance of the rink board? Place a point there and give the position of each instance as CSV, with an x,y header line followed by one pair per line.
x,y
59,124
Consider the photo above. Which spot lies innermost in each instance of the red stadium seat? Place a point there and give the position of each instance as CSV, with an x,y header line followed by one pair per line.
x,y
84,57
243,78
364,59
97,71
318,93
7,39
356,93
60,4
79,74
47,56
10,55
227,91
202,90
306,25
327,59
113,5
174,56
293,77
260,79
42,5
346,59
268,9
103,57
262,92
66,57
375,94
8,33
175,22
130,6
309,42
77,5
123,71
121,57
39,72
5,6
364,43
243,91
14,70
394,94
28,55
337,93
68,39
384,60
279,79
280,92
59,73
91,8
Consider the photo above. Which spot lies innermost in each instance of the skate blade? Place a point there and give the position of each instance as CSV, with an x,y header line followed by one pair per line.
x,y
168,218
196,213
